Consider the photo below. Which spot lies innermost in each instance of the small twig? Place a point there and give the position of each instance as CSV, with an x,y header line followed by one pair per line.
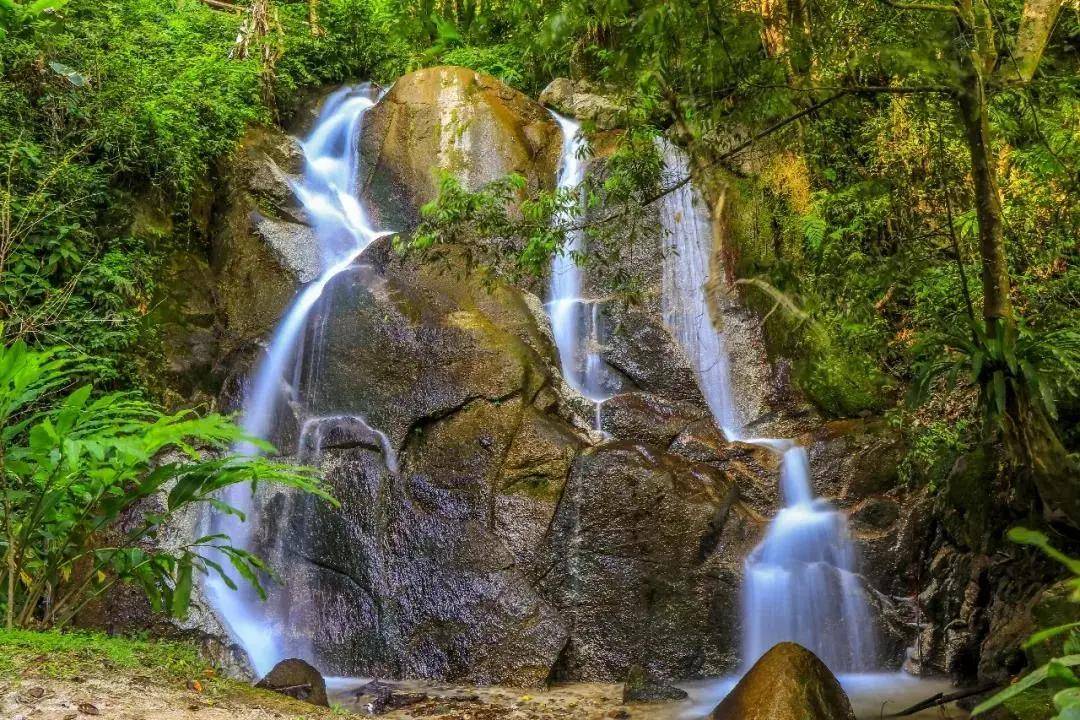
x,y
944,699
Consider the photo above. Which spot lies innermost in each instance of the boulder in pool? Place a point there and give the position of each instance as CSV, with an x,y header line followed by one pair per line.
x,y
788,683
297,679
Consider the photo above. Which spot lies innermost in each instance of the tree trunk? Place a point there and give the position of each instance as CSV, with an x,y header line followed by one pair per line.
x,y
997,305
1055,475
1036,24
313,17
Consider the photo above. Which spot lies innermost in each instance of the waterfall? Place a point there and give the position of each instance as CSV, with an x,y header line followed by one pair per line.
x,y
575,320
329,194
800,582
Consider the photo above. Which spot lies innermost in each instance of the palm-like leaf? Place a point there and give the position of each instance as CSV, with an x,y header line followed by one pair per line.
x,y
77,463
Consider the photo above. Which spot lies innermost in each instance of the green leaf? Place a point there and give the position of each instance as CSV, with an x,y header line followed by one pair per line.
x,y
42,6
999,391
76,79
1043,635
1024,536
1067,698
1028,681
181,598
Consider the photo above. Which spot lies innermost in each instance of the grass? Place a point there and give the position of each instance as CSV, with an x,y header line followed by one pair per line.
x,y
169,666
66,655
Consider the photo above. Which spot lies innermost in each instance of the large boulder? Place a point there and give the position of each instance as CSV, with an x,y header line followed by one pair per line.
x,y
788,683
262,248
641,349
582,100
645,556
475,540
436,414
410,346
455,120
298,679
648,419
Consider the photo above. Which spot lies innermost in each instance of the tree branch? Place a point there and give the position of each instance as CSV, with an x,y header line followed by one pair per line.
x,y
929,7
778,125
1036,26
219,5
727,155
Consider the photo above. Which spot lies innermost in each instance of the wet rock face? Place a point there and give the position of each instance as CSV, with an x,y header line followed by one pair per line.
x,y
639,346
262,249
485,534
788,683
581,100
477,539
648,419
455,120
639,548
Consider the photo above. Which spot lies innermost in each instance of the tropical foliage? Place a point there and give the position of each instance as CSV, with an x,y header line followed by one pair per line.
x,y
89,483
1058,672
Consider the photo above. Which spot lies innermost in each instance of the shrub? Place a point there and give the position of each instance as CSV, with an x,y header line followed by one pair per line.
x,y
1060,669
73,464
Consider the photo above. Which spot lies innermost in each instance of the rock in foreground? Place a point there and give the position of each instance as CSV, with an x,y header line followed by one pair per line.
x,y
788,683
296,679
640,687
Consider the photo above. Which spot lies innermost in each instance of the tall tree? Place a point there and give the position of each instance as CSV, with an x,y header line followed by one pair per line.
x,y
718,67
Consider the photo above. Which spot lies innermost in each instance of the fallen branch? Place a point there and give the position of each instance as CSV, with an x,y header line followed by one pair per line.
x,y
219,5
943,699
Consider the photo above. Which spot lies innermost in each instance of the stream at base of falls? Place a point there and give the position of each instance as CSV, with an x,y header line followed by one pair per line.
x,y
872,696
801,581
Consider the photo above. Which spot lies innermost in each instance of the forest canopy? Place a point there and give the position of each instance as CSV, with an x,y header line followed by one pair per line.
x,y
906,175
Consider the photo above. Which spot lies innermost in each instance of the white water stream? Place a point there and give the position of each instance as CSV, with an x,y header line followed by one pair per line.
x,y
575,320
800,583
328,191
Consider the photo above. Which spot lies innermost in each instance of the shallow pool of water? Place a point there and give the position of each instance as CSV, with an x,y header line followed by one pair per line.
x,y
873,696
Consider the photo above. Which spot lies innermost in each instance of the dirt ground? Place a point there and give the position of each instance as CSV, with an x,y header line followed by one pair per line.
x,y
139,697
122,694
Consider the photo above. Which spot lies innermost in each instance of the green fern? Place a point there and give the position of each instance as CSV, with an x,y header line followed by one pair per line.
x,y
73,464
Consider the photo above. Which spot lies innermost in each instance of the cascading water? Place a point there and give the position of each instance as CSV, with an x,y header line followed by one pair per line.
x,y
575,320
329,194
800,583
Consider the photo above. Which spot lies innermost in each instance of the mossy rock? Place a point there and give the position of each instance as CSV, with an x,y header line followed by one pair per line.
x,y
788,683
454,120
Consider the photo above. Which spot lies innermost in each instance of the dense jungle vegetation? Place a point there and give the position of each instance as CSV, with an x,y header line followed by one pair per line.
x,y
906,178
898,253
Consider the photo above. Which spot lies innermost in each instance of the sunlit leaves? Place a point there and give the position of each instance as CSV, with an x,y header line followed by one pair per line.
x,y
75,464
